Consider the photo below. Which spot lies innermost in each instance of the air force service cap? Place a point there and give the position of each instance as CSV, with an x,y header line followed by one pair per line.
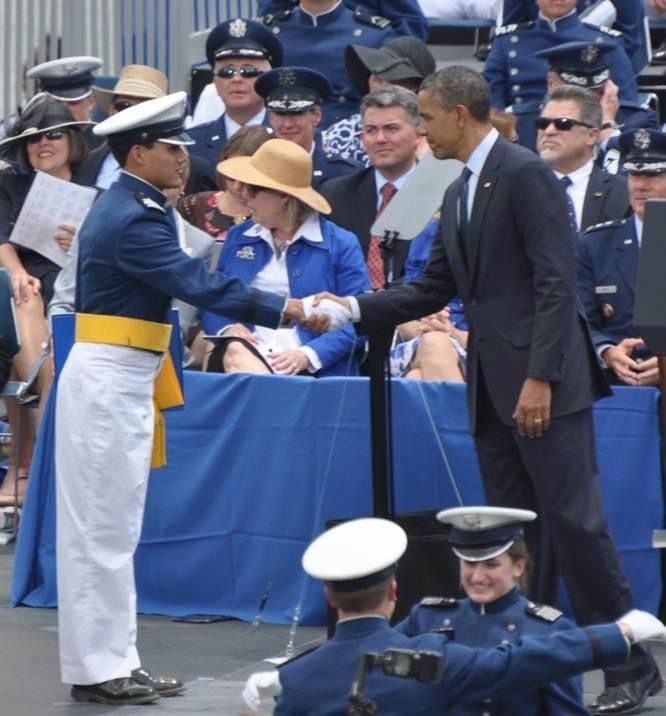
x,y
479,533
584,64
68,79
356,555
643,151
291,90
155,120
243,38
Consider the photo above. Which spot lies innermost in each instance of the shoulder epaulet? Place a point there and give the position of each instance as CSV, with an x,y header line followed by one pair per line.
x,y
543,611
612,32
275,16
298,656
505,29
441,602
373,20
148,202
605,225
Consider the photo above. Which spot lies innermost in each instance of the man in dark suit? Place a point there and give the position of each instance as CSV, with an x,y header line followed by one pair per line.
x,y
532,374
390,120
607,265
568,135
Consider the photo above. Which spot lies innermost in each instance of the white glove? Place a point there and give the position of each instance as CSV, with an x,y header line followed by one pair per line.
x,y
260,686
337,315
643,625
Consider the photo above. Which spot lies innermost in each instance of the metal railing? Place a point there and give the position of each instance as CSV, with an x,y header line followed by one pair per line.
x,y
167,34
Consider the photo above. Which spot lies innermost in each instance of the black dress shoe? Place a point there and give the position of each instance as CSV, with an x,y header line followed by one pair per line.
x,y
164,686
115,691
629,697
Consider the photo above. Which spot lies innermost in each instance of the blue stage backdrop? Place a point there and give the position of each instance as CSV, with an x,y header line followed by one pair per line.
x,y
257,464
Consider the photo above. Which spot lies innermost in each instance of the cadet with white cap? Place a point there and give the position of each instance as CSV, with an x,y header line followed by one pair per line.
x,y
357,561
130,265
493,567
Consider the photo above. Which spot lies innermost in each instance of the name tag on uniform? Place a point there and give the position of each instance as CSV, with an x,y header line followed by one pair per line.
x,y
605,289
247,253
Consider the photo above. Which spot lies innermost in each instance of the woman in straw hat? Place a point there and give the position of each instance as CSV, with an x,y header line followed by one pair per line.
x,y
289,247
50,140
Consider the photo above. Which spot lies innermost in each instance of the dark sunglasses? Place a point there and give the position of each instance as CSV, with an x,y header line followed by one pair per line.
x,y
247,71
52,135
563,124
121,105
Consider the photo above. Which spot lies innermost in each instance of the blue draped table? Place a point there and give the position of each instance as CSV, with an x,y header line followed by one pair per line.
x,y
257,464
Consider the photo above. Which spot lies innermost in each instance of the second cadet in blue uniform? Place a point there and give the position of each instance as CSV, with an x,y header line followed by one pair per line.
x,y
517,78
357,561
315,35
489,542
239,51
293,98
607,265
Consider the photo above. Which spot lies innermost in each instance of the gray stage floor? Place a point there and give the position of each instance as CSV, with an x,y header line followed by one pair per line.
x,y
214,659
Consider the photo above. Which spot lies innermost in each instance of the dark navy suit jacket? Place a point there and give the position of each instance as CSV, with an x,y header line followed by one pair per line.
x,y
518,288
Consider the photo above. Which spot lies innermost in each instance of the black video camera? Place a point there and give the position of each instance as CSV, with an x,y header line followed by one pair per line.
x,y
422,666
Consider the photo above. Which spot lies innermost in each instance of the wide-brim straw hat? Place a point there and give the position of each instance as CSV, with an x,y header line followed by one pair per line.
x,y
138,81
281,165
43,114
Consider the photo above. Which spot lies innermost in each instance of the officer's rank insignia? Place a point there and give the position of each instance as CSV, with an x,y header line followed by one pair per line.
x,y
589,54
642,139
442,602
246,253
286,78
543,611
238,28
149,203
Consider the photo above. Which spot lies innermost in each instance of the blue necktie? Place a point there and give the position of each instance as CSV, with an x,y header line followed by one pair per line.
x,y
571,211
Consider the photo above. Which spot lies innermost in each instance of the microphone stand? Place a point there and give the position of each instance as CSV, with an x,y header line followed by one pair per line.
x,y
381,424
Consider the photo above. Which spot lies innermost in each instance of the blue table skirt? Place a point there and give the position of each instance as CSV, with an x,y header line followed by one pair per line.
x,y
257,464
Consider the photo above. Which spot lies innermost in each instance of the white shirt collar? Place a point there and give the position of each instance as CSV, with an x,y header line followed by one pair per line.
x,y
134,176
553,23
638,225
478,157
232,126
319,14
398,183
310,229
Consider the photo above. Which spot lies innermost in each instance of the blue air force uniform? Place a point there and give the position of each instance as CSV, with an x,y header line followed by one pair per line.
x,y
300,33
518,80
211,137
505,621
607,265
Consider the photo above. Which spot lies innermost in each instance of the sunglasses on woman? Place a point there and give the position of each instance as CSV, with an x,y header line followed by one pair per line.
x,y
53,135
247,71
120,105
563,124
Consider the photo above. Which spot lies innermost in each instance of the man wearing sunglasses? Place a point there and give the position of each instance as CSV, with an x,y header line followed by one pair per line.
x,y
608,260
517,78
567,139
239,51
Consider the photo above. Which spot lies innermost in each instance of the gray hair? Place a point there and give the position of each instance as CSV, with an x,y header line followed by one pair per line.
x,y
393,96
460,85
588,103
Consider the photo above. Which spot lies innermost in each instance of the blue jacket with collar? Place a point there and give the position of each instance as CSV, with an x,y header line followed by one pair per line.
x,y
335,264
504,621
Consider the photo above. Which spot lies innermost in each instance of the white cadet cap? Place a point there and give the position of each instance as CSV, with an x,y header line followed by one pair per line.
x,y
68,79
155,120
357,554
480,533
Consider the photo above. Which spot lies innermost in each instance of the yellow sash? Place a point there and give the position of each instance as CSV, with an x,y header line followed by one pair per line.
x,y
147,335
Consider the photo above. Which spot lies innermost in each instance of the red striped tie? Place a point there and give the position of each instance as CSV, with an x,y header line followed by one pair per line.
x,y
375,260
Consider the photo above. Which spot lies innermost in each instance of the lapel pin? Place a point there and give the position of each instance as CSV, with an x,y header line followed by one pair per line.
x,y
607,310
487,185
598,194
628,241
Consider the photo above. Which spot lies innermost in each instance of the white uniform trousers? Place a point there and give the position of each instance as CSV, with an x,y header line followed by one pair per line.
x,y
103,445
